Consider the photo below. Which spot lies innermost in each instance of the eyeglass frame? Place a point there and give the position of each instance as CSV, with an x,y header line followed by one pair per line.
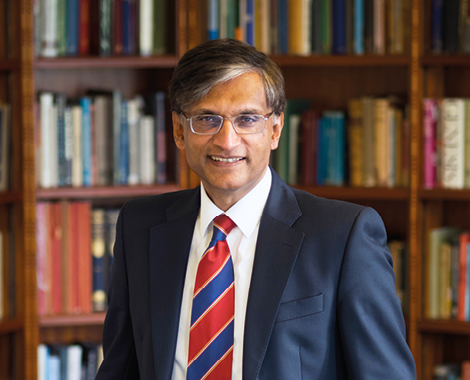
x,y
265,118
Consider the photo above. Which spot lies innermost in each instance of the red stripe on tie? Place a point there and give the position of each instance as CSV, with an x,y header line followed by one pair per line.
x,y
211,324
221,368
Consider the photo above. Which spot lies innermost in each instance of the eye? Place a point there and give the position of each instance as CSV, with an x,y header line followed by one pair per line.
x,y
248,119
207,119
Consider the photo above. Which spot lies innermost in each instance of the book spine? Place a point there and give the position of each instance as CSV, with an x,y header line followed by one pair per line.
x,y
86,143
134,146
116,27
104,28
98,247
339,26
249,22
326,27
84,27
213,20
124,145
49,39
146,27
317,27
159,30
72,24
429,143
436,26
61,100
116,135
47,124
160,138
359,27
453,143
61,31
147,156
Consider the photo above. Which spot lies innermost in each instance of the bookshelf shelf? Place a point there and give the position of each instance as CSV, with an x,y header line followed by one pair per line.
x,y
72,320
104,192
444,326
359,193
10,197
342,60
445,194
90,62
8,64
10,325
445,60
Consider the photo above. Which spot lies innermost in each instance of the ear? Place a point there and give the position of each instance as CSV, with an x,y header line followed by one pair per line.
x,y
276,132
178,131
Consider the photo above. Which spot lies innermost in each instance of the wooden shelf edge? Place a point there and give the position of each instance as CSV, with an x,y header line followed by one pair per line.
x,y
445,194
445,60
444,326
8,197
358,193
89,62
342,60
104,192
10,325
72,320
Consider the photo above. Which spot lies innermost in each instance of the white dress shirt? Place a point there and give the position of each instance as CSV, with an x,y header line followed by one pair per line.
x,y
246,214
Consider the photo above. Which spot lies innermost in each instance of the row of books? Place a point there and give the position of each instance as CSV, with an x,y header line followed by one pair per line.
x,y
448,28
74,256
101,139
452,371
5,143
367,147
305,27
448,274
446,143
104,27
69,362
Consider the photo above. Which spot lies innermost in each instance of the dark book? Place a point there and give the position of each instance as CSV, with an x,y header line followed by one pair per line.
x,y
450,26
339,26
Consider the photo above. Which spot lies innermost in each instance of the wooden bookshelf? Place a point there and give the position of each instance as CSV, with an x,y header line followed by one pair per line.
x,y
328,81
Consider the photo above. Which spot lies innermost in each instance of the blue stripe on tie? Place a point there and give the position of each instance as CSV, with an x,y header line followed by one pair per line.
x,y
212,291
212,353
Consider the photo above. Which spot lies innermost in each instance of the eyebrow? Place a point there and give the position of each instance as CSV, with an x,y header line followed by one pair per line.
x,y
247,111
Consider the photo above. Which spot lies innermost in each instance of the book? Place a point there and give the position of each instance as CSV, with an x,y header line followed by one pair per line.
x,y
369,159
213,20
77,162
146,26
309,145
86,141
450,26
98,250
160,25
436,237
359,27
355,137
104,34
429,144
84,27
72,27
147,147
54,258
333,146
294,131
453,141
49,24
299,27
62,144
48,141
134,141
339,26
5,143
41,257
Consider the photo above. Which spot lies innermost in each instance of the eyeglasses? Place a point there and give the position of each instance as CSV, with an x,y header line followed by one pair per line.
x,y
245,124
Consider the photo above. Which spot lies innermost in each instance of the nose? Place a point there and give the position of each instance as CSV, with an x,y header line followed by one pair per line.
x,y
227,137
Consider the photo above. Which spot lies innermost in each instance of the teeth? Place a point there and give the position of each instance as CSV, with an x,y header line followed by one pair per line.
x,y
225,159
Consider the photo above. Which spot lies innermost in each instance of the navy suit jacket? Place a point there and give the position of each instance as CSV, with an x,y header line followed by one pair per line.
x,y
322,302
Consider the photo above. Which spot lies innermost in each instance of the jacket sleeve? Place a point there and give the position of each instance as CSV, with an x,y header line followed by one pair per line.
x,y
120,360
370,318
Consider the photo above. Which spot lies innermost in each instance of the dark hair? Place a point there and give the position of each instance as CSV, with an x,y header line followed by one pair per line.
x,y
217,61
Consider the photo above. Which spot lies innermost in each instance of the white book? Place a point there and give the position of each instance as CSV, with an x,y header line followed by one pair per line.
x,y
147,156
46,100
453,143
146,27
54,144
77,172
467,143
74,362
53,367
43,354
4,146
134,140
49,32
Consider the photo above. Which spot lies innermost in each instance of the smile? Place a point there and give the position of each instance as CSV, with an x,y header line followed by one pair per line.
x,y
219,159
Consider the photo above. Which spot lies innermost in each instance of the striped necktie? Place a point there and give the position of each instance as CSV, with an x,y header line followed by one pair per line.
x,y
212,317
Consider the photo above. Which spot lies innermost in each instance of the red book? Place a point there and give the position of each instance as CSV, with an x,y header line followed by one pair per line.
x,y
66,250
465,370
73,272
309,136
84,28
117,27
41,256
464,241
84,268
55,258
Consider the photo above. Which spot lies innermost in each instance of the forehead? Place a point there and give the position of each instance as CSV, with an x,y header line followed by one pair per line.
x,y
244,93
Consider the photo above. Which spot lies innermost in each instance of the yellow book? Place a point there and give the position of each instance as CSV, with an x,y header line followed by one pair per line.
x,y
355,135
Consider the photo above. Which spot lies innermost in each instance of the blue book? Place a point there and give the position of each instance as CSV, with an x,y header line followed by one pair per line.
x,y
124,146
359,27
249,26
85,104
98,250
339,26
60,101
283,27
71,23
127,27
333,143
436,26
213,20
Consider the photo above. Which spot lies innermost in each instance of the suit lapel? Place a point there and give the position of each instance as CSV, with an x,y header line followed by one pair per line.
x,y
276,251
170,244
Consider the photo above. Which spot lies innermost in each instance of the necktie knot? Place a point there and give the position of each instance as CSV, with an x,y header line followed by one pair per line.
x,y
222,227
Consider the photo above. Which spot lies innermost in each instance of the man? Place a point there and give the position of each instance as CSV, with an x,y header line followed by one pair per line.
x,y
311,292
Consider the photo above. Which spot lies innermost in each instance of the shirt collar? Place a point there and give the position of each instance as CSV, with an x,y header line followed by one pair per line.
x,y
246,213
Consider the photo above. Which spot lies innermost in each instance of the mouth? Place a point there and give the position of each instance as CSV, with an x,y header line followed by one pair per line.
x,y
226,159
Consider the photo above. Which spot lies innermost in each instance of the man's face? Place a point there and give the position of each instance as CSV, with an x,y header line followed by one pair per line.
x,y
229,164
